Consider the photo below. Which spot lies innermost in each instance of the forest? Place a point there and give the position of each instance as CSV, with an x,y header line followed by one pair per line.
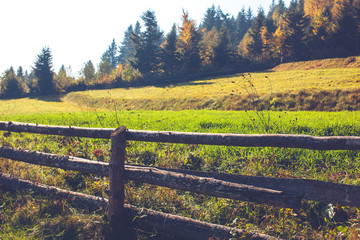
x,y
219,44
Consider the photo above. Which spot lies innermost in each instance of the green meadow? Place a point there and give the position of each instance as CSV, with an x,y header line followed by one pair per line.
x,y
27,215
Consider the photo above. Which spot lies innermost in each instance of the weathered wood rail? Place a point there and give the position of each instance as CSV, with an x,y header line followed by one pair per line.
x,y
240,140
263,190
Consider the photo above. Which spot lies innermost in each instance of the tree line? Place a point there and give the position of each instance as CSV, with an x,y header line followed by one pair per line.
x,y
304,30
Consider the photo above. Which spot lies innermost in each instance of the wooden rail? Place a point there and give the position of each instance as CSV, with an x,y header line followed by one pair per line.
x,y
149,219
241,140
264,190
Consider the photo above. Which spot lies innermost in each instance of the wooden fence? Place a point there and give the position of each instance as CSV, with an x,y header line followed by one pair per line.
x,y
264,190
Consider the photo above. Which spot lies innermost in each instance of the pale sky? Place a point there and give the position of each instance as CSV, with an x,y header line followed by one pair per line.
x,y
77,31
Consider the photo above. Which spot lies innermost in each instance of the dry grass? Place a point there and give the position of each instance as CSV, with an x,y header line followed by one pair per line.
x,y
350,62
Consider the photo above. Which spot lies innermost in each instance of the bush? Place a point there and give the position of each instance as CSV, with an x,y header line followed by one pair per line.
x,y
12,86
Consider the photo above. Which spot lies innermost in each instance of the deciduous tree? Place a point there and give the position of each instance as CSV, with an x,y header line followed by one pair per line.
x,y
188,44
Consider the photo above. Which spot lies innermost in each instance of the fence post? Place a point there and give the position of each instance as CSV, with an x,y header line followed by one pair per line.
x,y
116,180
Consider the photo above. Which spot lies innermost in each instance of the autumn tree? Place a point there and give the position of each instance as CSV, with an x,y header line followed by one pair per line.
x,y
63,79
188,44
147,45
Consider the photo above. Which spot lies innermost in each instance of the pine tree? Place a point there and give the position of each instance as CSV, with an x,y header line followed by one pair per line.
x,y
210,19
43,72
255,46
104,67
126,49
111,54
20,72
12,85
346,36
293,33
222,52
89,72
170,55
242,26
147,45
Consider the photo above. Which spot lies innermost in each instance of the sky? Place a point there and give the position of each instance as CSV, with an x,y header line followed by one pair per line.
x,y
77,31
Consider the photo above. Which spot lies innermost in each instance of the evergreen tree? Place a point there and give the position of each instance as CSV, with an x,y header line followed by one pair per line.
x,y
12,85
297,28
104,67
111,54
211,19
43,72
137,29
89,72
147,45
255,46
126,49
20,72
170,55
241,25
346,38
223,49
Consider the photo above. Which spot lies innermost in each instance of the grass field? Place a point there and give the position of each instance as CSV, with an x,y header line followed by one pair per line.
x,y
27,215
232,92
309,222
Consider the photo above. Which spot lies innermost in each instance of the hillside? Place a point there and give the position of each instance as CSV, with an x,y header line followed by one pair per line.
x,y
331,63
329,84
334,85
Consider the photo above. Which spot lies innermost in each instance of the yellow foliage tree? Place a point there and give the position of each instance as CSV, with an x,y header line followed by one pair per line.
x,y
188,44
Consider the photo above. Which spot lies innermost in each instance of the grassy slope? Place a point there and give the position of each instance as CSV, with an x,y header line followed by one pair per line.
x,y
231,93
37,105
350,62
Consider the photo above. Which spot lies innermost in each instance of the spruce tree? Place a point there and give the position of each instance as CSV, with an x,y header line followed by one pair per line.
x,y
296,26
170,55
223,49
346,38
20,72
147,45
126,49
43,72
255,46
12,85
210,19
111,54
89,72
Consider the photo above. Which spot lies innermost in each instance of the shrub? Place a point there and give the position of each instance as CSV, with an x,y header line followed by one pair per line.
x,y
12,86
